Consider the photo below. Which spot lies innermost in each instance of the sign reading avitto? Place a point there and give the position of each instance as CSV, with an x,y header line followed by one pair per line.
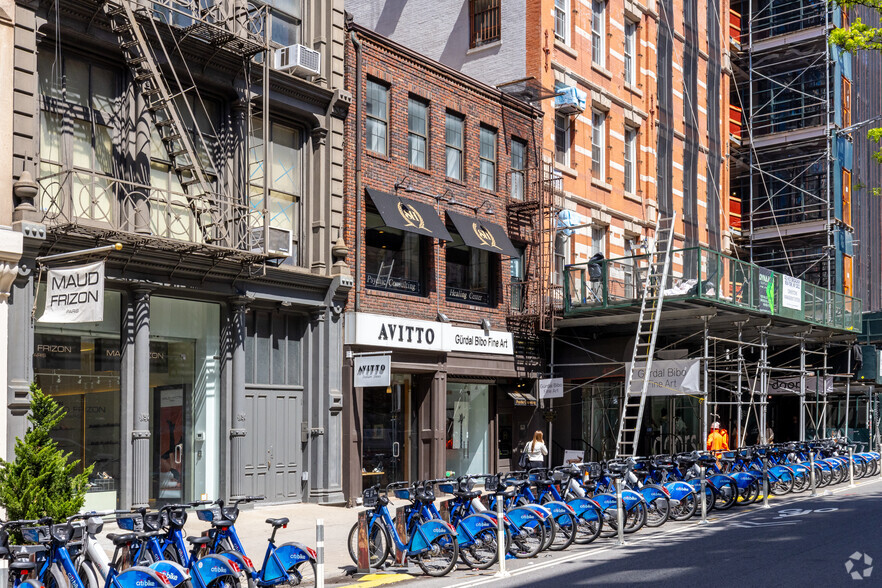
x,y
75,295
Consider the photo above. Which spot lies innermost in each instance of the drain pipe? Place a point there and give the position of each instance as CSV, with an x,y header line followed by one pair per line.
x,y
358,191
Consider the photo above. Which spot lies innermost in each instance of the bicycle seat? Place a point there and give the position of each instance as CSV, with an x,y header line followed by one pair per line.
x,y
148,534
120,539
277,522
199,540
22,565
222,523
468,495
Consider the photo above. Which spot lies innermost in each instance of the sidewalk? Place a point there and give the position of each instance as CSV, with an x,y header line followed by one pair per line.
x,y
254,532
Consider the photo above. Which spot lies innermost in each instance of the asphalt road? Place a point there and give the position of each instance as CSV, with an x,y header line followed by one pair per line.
x,y
799,541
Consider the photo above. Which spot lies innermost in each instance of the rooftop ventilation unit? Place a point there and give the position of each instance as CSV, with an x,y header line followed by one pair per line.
x,y
297,59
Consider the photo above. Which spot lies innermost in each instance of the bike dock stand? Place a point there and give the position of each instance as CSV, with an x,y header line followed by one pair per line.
x,y
500,539
620,513
704,520
851,467
766,484
812,465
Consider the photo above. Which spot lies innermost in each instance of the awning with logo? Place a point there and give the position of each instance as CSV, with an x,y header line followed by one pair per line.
x,y
409,215
482,234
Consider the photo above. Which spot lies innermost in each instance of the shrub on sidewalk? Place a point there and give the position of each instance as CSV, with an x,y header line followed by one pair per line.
x,y
41,481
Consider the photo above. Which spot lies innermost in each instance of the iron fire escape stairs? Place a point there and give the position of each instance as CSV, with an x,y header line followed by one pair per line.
x,y
167,117
647,335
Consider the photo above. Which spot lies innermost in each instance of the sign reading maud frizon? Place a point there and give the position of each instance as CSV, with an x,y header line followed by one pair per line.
x,y
75,295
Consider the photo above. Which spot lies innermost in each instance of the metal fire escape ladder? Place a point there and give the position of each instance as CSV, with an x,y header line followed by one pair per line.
x,y
167,118
647,334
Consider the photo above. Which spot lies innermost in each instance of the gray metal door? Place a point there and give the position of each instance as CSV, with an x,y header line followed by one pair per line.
x,y
272,467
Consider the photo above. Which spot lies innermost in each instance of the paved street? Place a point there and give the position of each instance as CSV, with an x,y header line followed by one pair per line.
x,y
799,541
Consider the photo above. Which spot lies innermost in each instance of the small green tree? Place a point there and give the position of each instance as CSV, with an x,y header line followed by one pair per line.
x,y
41,481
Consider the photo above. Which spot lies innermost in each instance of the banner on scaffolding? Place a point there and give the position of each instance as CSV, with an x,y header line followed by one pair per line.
x,y
791,292
813,385
675,377
766,290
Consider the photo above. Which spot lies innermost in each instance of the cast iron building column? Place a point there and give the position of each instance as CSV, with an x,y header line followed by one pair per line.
x,y
141,426
239,422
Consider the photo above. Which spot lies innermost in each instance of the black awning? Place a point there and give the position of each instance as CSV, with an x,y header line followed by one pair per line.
x,y
409,215
482,234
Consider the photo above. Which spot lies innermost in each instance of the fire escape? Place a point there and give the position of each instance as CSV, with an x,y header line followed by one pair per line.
x,y
209,217
535,299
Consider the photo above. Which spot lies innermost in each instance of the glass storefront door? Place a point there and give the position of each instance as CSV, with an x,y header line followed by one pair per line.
x,y
184,399
389,425
468,428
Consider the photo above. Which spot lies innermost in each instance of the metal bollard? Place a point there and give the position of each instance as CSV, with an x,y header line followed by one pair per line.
x,y
703,495
850,467
766,485
500,539
319,553
812,464
620,513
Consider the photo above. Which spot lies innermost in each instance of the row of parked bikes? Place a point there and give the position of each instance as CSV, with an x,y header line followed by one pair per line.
x,y
151,551
552,509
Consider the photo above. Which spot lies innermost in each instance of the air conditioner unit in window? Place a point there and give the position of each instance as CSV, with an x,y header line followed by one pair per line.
x,y
298,59
570,100
281,242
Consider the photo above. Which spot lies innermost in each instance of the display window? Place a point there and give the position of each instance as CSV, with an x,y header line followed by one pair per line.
x,y
468,428
394,258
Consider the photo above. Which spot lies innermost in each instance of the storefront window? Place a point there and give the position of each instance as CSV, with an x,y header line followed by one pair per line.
x,y
394,258
184,394
78,364
469,273
468,426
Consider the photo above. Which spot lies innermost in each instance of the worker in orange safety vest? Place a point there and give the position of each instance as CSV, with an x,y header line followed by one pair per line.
x,y
716,441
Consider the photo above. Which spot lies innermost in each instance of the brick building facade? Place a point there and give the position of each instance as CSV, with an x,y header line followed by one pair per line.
x,y
435,159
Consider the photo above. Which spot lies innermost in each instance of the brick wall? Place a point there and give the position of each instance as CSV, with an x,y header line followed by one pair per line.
x,y
406,73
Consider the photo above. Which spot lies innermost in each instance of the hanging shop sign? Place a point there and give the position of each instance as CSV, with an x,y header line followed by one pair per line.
x,y
372,370
668,377
766,291
551,388
813,385
523,398
392,332
75,295
791,292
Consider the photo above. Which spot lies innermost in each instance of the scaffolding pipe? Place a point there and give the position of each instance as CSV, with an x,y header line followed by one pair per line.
x,y
740,397
802,390
706,384
847,394
829,136
764,381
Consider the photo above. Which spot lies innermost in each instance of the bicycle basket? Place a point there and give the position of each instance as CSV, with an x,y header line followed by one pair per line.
x,y
152,521
130,522
404,493
559,476
209,514
593,469
231,513
446,488
491,483
370,497
35,534
77,530
427,494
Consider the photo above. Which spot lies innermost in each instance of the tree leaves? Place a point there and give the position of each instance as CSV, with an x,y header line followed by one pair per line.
x,y
41,481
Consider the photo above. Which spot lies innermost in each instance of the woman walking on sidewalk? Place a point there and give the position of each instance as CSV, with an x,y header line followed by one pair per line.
x,y
536,451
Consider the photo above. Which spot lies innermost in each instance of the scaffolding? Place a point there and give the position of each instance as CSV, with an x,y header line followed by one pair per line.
x,y
216,203
792,162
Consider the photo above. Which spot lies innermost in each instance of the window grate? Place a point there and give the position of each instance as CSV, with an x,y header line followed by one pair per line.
x,y
484,22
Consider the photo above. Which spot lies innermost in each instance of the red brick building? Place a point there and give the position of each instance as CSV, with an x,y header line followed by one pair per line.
x,y
440,181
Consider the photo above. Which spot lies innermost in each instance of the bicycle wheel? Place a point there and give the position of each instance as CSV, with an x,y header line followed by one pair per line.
x,y
782,485
685,509
564,531
441,556
801,481
588,527
636,518
483,552
550,532
658,512
379,543
224,582
528,540
727,493
56,578
88,574
302,573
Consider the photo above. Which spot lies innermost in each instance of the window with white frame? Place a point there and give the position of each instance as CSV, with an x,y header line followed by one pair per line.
x,y
488,158
598,240
417,132
561,251
562,139
598,32
598,143
453,140
562,20
630,160
518,168
630,50
377,123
